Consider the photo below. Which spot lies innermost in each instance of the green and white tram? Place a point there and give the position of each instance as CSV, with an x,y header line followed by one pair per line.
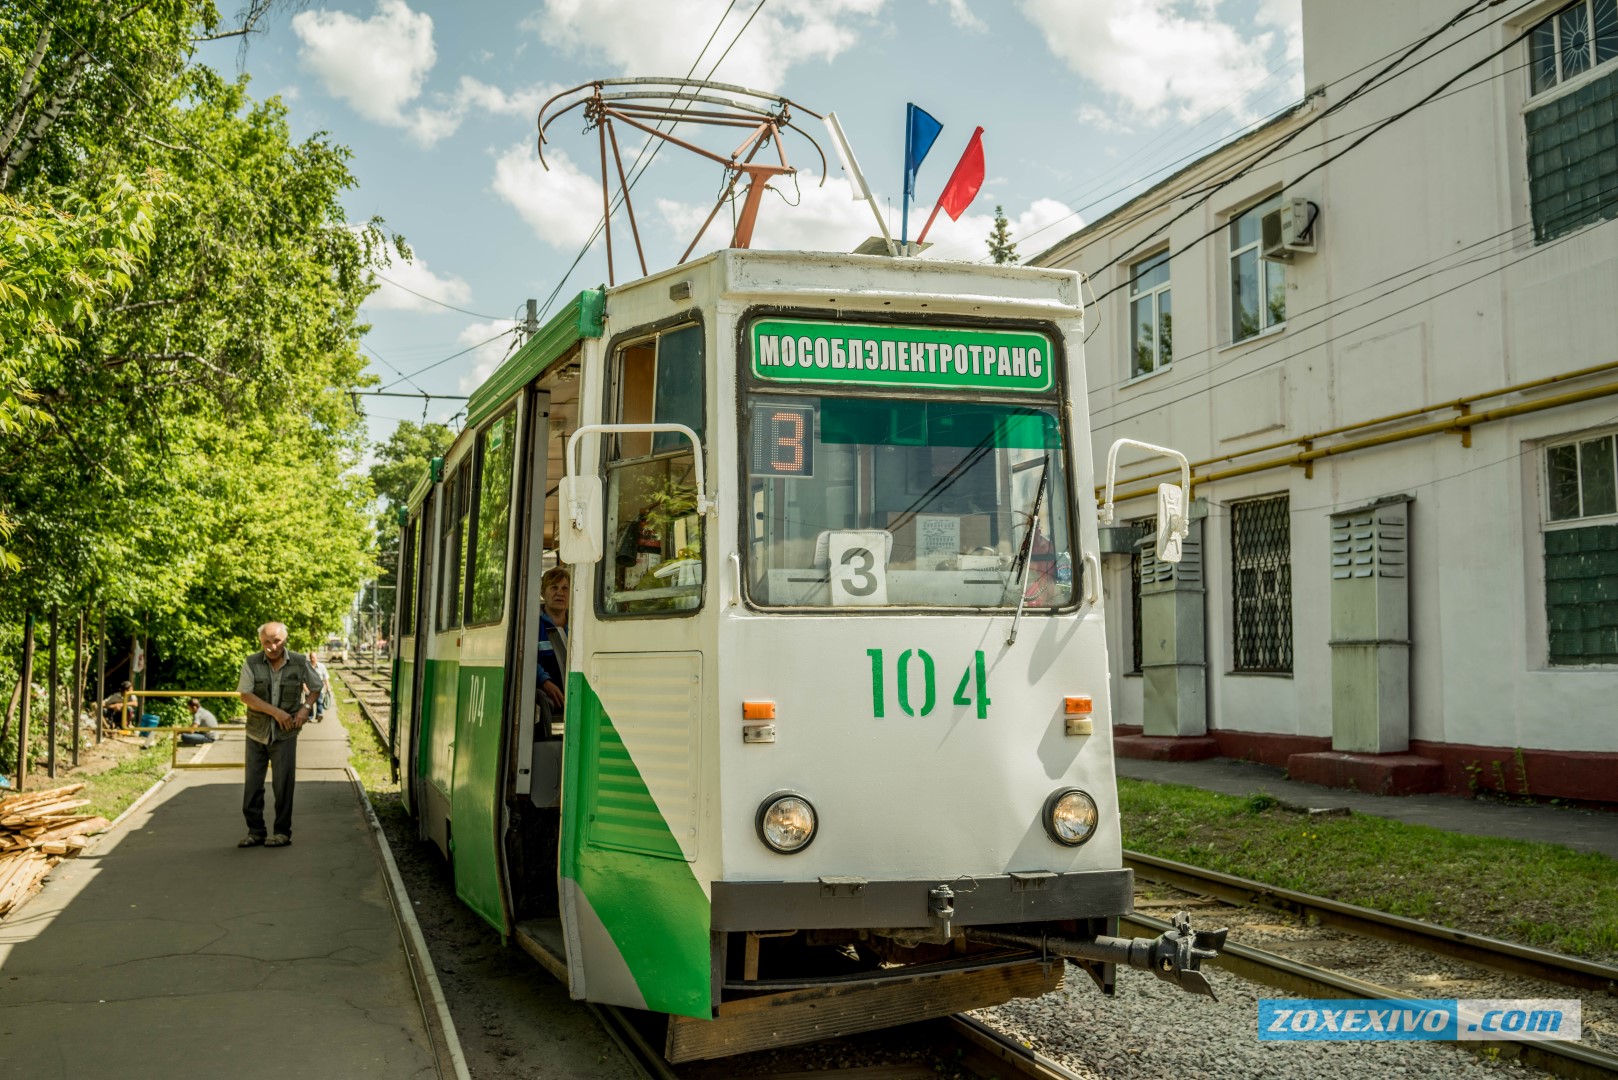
x,y
836,745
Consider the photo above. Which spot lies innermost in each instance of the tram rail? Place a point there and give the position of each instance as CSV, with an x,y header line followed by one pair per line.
x,y
1567,1059
379,723
1506,956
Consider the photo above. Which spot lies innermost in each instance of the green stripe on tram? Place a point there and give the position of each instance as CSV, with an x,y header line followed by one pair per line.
x,y
620,851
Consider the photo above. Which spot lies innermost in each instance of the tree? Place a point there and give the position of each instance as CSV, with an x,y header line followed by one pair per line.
x,y
401,463
1001,248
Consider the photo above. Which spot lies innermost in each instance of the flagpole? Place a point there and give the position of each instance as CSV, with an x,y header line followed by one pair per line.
x,y
904,213
922,239
862,190
955,174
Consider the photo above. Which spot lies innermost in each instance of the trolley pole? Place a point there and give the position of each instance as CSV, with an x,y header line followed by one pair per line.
x,y
55,684
27,699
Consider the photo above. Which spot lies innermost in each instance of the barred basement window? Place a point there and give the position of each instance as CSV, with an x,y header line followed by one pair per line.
x,y
1261,565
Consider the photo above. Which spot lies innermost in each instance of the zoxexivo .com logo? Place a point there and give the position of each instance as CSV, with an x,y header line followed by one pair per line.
x,y
1441,1019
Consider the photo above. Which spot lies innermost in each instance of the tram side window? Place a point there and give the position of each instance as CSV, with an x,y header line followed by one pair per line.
x,y
405,579
457,511
496,454
655,557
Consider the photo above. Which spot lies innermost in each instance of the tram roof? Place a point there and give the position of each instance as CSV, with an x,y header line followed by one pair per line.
x,y
582,318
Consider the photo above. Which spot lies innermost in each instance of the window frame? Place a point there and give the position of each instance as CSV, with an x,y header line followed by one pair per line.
x,y
1236,599
404,577
612,390
1161,257
1561,82
748,386
449,605
1265,268
1582,520
476,517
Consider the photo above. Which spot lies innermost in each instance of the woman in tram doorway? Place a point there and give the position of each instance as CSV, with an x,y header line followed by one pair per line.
x,y
554,592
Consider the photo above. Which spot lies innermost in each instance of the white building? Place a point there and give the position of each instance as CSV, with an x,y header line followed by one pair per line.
x,y
1403,426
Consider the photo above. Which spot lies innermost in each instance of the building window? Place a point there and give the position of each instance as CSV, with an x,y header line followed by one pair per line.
x,y
1261,565
1581,551
1572,41
1258,289
1151,318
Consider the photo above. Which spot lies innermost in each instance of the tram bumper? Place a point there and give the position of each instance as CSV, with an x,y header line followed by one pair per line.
x,y
1016,910
926,905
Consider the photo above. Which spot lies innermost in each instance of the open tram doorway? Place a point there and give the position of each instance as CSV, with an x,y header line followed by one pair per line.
x,y
534,753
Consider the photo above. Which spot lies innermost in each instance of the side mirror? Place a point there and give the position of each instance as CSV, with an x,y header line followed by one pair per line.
x,y
1172,524
578,537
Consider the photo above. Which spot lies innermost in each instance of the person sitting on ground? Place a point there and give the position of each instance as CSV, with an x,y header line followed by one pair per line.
x,y
118,709
200,717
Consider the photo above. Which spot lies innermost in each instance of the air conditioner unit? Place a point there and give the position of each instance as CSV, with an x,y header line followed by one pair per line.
x,y
1289,230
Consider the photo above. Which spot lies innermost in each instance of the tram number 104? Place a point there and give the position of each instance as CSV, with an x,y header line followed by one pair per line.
x,y
974,681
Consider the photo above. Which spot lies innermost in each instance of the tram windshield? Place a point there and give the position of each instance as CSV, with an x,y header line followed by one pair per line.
x,y
866,501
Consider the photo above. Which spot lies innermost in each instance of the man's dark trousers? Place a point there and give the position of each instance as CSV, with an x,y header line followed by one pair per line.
x,y
281,757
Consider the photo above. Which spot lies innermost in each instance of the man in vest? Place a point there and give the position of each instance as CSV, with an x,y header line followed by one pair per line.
x,y
276,686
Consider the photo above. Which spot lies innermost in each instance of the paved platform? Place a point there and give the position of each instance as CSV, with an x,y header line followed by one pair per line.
x,y
1577,828
168,952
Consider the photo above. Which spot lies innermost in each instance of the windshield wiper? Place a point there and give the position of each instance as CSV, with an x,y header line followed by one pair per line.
x,y
1025,560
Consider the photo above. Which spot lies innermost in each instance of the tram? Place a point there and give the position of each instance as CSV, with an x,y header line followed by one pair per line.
x,y
835,750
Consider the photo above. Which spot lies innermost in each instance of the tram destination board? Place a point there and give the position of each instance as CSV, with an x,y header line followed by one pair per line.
x,y
783,440
852,355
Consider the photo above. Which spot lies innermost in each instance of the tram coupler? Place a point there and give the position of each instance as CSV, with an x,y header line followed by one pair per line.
x,y
1175,956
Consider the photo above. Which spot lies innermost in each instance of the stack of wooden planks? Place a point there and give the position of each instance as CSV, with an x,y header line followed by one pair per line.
x,y
37,831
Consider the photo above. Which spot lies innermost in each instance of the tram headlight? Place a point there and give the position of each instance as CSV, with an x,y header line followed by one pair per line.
x,y
786,822
1070,816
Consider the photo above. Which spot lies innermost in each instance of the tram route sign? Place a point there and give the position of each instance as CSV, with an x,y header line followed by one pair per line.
x,y
850,355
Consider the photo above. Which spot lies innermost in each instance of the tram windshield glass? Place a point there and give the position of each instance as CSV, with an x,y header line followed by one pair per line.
x,y
866,501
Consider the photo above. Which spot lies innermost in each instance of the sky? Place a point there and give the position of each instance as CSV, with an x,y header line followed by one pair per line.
x,y
1083,103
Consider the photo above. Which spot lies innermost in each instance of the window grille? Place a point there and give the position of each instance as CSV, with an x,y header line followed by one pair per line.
x,y
1572,41
1143,528
1261,563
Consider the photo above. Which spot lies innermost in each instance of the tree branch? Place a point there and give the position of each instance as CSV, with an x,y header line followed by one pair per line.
x,y
255,11
47,116
179,148
169,301
121,359
25,89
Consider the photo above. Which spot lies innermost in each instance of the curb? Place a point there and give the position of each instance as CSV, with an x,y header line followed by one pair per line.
x,y
422,970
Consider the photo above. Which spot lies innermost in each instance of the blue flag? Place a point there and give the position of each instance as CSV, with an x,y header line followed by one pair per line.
x,y
921,130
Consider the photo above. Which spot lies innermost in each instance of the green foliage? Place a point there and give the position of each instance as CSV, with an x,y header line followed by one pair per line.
x,y
178,446
401,463
1001,247
1552,897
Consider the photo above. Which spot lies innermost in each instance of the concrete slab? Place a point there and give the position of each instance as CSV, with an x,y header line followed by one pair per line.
x,y
1580,829
167,951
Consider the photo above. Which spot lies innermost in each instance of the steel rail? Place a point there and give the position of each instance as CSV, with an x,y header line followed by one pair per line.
x,y
365,706
1003,1052
1489,952
1569,1059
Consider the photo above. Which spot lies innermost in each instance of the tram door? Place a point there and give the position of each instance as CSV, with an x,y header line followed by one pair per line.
x,y
637,919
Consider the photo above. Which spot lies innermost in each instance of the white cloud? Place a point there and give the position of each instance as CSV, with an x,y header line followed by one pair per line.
x,y
476,366
380,66
414,277
961,16
1161,58
377,65
1102,120
661,39
562,206
828,219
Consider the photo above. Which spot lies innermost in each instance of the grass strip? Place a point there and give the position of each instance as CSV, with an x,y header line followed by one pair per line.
x,y
366,753
111,791
1544,895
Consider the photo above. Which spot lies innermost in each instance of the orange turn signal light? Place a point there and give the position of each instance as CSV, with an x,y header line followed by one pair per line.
x,y
758,710
1077,704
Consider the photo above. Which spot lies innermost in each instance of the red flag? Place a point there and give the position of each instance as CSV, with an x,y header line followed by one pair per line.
x,y
964,184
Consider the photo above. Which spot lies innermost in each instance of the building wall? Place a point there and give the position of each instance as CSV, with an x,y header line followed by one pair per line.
x,y
1428,285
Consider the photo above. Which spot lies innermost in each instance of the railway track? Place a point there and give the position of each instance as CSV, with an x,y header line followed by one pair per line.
x,y
1487,952
986,1052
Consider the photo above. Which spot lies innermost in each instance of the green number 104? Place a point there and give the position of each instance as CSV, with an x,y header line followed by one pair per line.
x,y
914,677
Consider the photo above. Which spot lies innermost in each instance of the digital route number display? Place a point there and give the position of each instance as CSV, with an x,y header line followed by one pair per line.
x,y
783,440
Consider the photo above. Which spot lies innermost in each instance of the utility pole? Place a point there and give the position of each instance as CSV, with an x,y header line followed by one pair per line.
x,y
101,674
50,724
79,674
530,325
27,698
